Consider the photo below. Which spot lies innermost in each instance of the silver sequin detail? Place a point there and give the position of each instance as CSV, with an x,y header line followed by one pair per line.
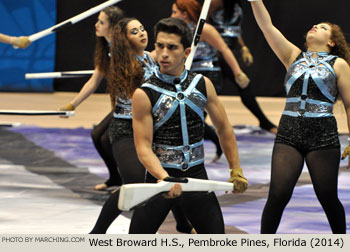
x,y
231,28
123,108
163,108
313,67
171,156
197,98
313,108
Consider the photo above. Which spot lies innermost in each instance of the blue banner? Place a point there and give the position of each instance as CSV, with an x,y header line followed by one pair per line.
x,y
24,18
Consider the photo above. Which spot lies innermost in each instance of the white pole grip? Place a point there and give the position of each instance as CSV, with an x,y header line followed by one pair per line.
x,y
37,112
49,75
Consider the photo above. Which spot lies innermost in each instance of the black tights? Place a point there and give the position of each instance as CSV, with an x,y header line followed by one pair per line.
x,y
247,96
210,134
249,100
287,164
201,208
131,171
100,138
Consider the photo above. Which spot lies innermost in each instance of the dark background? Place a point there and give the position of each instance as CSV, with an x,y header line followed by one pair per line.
x,y
75,45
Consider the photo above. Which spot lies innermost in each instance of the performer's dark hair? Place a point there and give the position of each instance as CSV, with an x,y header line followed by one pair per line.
x,y
114,14
126,72
175,26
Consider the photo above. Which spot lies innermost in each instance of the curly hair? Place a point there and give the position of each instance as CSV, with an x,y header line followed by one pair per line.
x,y
192,7
341,48
126,72
101,59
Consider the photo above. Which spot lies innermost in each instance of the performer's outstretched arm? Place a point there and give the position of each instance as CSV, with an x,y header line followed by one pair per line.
x,y
21,42
342,71
285,50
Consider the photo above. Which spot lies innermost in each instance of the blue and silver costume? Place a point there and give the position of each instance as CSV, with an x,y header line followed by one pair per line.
x,y
206,62
307,121
205,58
177,110
230,30
121,125
177,99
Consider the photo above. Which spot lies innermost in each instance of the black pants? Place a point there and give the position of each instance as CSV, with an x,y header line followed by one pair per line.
x,y
100,138
131,171
316,142
201,208
246,94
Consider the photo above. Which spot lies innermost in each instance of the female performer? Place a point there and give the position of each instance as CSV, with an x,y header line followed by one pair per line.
x,y
227,17
107,19
130,65
20,42
207,63
308,130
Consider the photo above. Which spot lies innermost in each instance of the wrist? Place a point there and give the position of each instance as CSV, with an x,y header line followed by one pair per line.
x,y
163,176
70,106
236,170
238,74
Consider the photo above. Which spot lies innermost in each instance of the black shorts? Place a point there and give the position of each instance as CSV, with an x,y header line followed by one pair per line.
x,y
308,134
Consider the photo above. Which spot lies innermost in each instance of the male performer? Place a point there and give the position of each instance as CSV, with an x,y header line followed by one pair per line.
x,y
168,125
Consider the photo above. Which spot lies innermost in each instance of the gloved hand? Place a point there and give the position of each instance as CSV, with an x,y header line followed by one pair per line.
x,y
345,154
247,57
67,107
242,80
239,181
21,42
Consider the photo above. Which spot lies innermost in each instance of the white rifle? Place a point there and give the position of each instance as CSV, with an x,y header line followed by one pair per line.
x,y
134,195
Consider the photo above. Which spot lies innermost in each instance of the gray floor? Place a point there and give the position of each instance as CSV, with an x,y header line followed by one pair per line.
x,y
46,188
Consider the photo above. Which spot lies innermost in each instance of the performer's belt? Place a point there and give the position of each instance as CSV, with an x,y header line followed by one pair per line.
x,y
205,65
180,157
305,107
123,111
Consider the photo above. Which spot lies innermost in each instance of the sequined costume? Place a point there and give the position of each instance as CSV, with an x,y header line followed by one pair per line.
x,y
206,62
229,30
307,133
229,27
129,166
101,140
178,124
121,125
307,121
